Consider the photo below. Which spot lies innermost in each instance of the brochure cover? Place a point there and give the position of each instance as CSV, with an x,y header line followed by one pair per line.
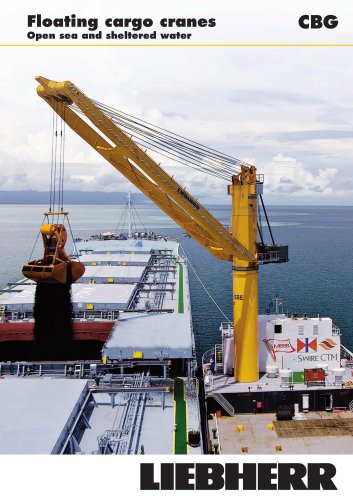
x,y
176,242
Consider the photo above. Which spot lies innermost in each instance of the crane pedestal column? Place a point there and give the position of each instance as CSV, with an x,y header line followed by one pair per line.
x,y
245,276
245,312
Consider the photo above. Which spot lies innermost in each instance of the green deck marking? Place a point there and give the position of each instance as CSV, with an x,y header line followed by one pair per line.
x,y
180,446
181,290
298,377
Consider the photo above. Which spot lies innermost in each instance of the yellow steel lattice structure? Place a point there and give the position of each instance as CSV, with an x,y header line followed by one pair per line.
x,y
238,246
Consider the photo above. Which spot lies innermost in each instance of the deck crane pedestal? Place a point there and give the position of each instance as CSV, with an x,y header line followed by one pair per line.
x,y
239,246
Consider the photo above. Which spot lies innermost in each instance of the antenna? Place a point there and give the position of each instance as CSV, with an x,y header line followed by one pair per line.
x,y
279,302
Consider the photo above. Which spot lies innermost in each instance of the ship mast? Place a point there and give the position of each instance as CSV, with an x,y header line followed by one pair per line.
x,y
129,213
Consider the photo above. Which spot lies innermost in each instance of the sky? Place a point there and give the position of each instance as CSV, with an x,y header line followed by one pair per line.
x,y
287,110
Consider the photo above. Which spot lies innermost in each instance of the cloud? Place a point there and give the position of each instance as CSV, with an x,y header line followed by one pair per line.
x,y
269,98
250,104
313,135
287,176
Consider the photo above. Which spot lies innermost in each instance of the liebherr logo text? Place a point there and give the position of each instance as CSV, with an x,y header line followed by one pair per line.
x,y
187,198
235,476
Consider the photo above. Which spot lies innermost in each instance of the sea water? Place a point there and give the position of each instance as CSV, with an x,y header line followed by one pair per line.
x,y
317,280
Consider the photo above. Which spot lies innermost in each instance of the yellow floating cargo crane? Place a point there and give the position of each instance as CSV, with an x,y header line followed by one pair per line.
x,y
238,246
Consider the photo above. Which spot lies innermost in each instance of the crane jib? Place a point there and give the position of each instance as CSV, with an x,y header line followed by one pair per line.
x,y
238,245
188,198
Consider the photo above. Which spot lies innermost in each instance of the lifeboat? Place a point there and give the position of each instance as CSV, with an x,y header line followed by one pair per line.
x,y
55,266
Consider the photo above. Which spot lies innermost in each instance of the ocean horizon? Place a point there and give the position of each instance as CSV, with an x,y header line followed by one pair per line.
x,y
317,280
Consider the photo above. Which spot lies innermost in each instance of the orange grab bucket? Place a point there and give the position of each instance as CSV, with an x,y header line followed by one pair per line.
x,y
55,266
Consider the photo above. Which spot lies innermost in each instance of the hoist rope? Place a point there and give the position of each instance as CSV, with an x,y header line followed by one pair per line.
x,y
57,168
52,161
76,253
63,160
171,145
55,160
203,286
60,164
181,140
35,243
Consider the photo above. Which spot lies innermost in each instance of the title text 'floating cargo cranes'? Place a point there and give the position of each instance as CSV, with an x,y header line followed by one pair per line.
x,y
256,369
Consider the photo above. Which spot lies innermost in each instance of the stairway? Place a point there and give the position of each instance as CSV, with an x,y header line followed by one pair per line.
x,y
221,400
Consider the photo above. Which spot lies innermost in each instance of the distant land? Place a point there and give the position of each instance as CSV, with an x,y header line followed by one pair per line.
x,y
32,197
71,198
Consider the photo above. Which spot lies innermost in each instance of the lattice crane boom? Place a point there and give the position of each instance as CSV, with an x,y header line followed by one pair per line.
x,y
127,157
239,246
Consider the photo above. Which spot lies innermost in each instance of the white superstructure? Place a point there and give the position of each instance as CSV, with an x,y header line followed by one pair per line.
x,y
294,343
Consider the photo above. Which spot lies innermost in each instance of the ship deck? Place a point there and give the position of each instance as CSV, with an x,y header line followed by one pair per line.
x,y
262,434
245,417
224,384
143,397
101,296
152,336
142,283
35,412
130,414
268,394
112,274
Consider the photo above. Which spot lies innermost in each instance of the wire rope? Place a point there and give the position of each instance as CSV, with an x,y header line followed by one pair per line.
x,y
171,145
203,286
60,165
55,163
52,161
35,243
155,127
139,218
73,239
63,159
122,214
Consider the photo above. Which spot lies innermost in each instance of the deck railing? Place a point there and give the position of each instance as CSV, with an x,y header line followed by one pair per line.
x,y
226,329
215,353
346,353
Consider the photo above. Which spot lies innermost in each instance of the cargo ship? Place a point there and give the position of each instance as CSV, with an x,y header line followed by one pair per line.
x,y
139,394
272,384
302,402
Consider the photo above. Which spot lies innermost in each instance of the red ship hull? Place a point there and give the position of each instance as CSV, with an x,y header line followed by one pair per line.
x,y
86,330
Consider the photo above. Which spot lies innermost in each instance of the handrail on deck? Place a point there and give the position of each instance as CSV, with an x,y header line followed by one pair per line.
x,y
346,353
